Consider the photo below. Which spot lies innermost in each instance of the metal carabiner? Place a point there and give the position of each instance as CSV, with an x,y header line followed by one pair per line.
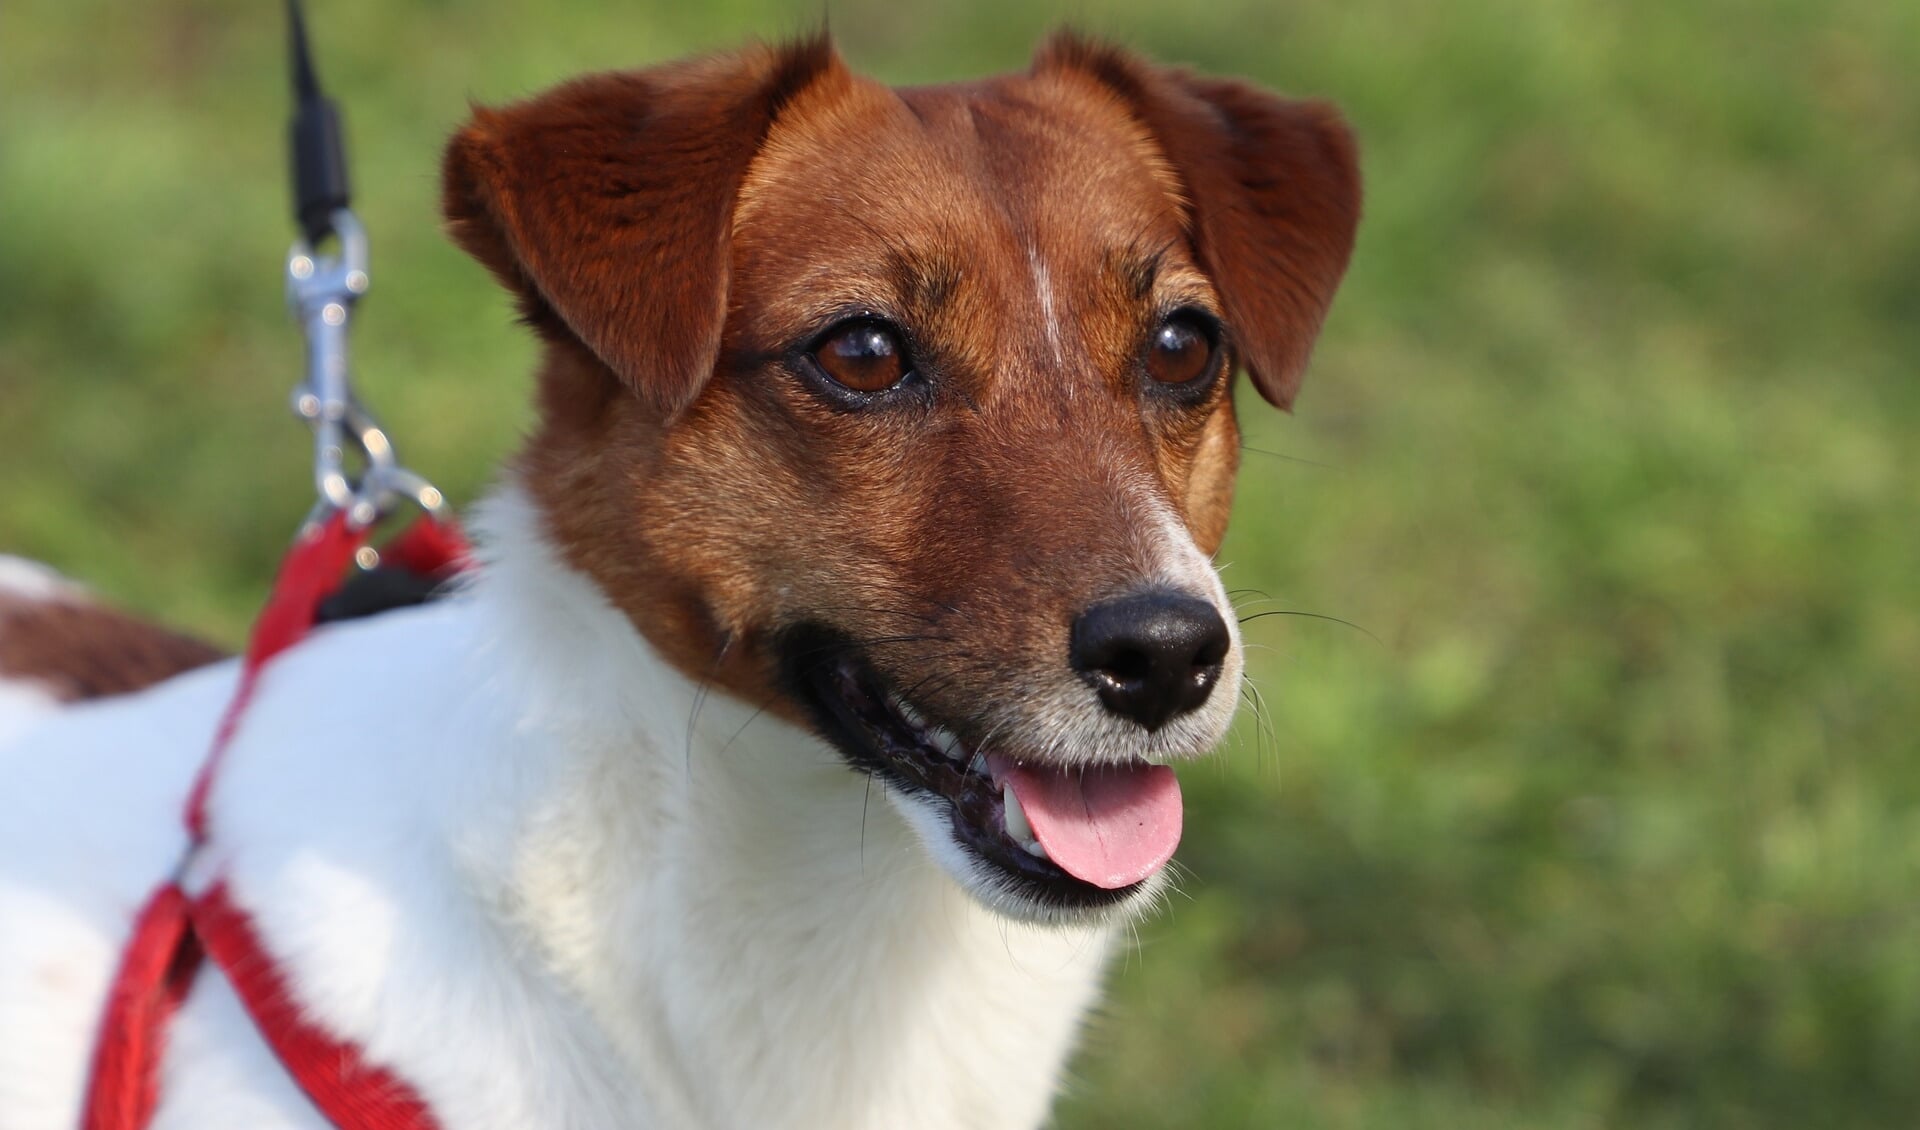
x,y
385,479
322,291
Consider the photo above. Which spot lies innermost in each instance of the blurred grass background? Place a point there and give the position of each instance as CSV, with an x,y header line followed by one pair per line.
x,y
1610,442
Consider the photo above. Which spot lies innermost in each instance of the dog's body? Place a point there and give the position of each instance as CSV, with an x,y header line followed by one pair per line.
x,y
510,846
509,875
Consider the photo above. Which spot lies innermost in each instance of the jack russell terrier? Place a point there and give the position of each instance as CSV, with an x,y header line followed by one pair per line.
x,y
803,734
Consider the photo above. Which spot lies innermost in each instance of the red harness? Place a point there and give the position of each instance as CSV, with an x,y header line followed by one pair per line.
x,y
175,933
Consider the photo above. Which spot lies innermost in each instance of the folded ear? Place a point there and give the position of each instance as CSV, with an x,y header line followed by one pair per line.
x,y
1274,190
606,204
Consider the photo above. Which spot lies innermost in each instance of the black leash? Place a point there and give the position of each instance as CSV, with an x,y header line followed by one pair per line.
x,y
317,139
356,471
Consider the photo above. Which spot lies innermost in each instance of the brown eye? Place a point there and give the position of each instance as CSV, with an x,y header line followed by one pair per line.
x,y
1181,351
863,356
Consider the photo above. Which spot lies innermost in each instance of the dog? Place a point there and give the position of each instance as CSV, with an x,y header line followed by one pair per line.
x,y
803,734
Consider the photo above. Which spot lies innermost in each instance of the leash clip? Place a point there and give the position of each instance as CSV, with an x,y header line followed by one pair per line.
x,y
322,290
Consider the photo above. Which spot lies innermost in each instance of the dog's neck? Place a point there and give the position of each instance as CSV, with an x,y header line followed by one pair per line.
x,y
748,923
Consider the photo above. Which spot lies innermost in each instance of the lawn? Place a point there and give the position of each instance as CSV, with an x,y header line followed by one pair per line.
x,y
1606,810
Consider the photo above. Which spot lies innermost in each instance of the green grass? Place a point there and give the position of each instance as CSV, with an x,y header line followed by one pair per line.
x,y
1614,818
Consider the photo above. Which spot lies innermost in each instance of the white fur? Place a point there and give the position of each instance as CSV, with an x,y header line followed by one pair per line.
x,y
1049,317
497,860
29,580
22,703
25,701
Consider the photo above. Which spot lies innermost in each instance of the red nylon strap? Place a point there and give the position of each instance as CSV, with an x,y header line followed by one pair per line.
x,y
156,970
351,1093
311,570
171,934
431,547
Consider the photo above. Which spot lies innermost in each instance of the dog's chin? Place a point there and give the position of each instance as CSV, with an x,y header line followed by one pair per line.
x,y
960,801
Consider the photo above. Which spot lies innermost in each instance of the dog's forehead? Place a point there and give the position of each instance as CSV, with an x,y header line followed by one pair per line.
x,y
951,182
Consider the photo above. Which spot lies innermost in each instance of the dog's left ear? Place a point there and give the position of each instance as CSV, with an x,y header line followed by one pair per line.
x,y
1273,188
607,204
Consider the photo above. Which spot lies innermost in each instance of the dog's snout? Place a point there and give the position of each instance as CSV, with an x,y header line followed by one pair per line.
x,y
1152,656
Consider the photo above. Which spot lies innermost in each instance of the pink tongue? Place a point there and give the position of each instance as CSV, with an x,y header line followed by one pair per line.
x,y
1111,826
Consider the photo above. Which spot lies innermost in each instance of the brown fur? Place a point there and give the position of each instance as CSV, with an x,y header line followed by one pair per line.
x,y
78,650
1276,189
677,234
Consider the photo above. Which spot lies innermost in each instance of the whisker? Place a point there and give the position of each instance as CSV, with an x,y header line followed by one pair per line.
x,y
700,696
1263,725
1316,616
1288,458
1253,705
939,681
865,800
751,718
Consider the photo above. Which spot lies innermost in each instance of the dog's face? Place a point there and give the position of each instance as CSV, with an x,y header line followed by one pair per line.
x,y
907,414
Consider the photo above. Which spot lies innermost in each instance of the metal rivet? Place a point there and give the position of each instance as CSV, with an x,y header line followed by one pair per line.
x,y
366,557
300,267
333,314
356,281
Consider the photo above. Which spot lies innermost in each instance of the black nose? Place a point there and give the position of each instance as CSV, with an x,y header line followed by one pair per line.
x,y
1153,656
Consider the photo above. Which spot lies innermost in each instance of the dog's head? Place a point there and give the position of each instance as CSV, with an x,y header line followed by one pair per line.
x,y
907,413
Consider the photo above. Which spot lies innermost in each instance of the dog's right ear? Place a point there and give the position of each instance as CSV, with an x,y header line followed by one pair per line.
x,y
607,203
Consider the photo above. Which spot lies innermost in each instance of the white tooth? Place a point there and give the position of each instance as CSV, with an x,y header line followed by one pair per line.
x,y
978,764
1017,826
906,711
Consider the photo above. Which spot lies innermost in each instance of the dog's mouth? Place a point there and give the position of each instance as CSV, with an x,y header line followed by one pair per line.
x,y
1071,838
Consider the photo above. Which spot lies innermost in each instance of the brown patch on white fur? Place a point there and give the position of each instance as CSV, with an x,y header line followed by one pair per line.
x,y
79,650
679,235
